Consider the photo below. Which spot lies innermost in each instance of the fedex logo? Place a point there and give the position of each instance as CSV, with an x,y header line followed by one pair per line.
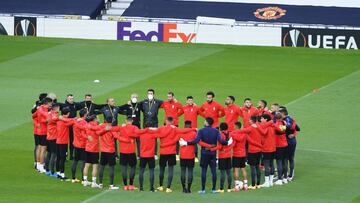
x,y
166,32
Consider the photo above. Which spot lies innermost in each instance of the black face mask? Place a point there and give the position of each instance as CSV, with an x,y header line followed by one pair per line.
x,y
88,103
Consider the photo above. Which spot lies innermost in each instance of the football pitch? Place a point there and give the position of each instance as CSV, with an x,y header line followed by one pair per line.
x,y
321,89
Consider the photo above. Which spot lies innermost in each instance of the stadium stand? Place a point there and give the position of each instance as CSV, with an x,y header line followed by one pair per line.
x,y
118,7
247,12
86,8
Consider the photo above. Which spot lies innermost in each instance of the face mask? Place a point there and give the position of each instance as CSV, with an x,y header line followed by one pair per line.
x,y
134,100
150,96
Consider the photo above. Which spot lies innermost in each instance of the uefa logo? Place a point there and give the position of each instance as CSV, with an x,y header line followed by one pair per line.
x,y
25,27
294,38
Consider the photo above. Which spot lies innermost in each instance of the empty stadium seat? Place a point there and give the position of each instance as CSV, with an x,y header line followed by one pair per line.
x,y
238,10
90,8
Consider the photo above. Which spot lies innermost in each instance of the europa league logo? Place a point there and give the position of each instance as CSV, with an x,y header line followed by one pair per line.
x,y
294,38
25,27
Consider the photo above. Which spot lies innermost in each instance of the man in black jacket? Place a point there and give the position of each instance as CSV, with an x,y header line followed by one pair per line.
x,y
90,107
150,109
110,110
132,109
71,104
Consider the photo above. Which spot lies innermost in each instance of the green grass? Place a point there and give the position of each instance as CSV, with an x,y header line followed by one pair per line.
x,y
327,159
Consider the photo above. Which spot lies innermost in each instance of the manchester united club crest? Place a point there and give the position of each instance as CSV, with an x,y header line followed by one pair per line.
x,y
270,13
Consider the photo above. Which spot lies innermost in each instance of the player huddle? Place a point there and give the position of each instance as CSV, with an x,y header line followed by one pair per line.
x,y
266,135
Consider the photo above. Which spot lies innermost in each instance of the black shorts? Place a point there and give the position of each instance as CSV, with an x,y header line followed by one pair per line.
x,y
281,153
238,162
188,163
61,150
149,160
128,159
36,140
51,146
224,164
254,158
40,140
107,158
268,155
208,160
92,157
167,159
79,154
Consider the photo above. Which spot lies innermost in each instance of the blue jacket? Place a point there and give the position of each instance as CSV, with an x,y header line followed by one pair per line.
x,y
289,122
208,135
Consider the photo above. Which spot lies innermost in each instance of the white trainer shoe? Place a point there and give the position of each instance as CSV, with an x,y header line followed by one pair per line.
x,y
266,184
86,183
271,180
41,168
95,185
112,187
285,181
278,182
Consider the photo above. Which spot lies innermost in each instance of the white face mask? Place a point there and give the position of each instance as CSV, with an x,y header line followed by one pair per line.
x,y
150,96
134,100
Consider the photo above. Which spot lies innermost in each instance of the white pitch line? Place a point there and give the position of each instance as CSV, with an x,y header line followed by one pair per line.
x,y
328,152
310,94
322,88
96,196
